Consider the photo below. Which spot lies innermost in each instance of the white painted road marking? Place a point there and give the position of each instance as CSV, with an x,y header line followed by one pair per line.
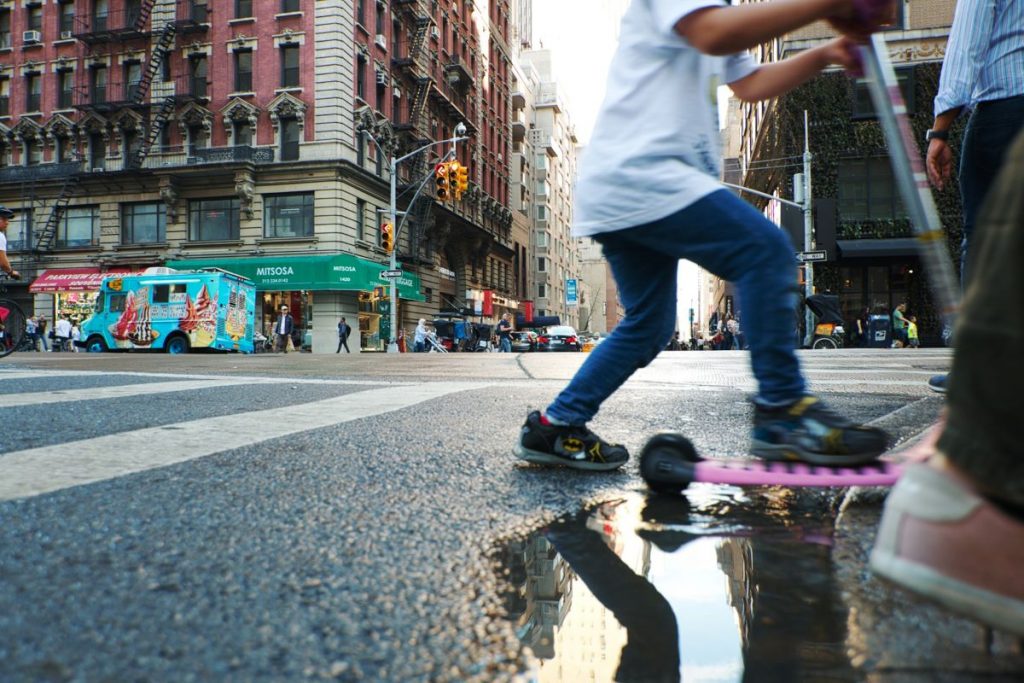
x,y
122,391
51,468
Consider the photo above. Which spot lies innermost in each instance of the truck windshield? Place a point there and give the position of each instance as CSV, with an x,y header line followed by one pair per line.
x,y
98,306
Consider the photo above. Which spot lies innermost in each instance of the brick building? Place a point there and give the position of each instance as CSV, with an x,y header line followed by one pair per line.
x,y
240,134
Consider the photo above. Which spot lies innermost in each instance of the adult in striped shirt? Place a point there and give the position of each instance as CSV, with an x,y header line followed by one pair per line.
x,y
983,73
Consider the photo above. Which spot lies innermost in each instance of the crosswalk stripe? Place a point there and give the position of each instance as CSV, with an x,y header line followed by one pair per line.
x,y
46,469
122,391
178,375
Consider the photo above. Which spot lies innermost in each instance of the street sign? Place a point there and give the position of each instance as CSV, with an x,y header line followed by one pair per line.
x,y
571,294
805,256
390,274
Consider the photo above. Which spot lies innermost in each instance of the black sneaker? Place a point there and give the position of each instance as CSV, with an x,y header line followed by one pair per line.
x,y
808,431
543,443
938,383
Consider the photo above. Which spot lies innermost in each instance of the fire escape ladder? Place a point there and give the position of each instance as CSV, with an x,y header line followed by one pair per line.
x,y
144,11
156,125
422,23
156,58
44,240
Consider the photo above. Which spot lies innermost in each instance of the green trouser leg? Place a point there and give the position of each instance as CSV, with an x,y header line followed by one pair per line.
x,y
984,435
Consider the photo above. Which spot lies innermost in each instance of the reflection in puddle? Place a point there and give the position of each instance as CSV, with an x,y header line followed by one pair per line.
x,y
719,587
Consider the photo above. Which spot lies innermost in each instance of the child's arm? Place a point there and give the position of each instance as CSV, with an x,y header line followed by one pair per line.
x,y
772,80
727,30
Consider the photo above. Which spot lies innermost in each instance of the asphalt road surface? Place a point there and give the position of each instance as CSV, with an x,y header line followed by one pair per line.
x,y
273,518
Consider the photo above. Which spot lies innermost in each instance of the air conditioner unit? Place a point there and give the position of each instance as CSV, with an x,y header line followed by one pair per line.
x,y
66,35
382,78
397,92
381,40
31,36
98,169
434,33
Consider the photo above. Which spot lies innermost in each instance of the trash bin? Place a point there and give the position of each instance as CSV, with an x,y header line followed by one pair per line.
x,y
879,332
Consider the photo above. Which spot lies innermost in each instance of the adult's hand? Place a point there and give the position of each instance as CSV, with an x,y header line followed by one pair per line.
x,y
939,163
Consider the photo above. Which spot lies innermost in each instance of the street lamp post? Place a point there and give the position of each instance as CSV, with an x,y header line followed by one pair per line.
x,y
460,134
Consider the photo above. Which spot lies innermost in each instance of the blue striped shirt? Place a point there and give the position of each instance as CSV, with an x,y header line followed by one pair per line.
x,y
984,56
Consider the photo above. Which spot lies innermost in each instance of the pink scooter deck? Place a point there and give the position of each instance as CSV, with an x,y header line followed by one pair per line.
x,y
669,462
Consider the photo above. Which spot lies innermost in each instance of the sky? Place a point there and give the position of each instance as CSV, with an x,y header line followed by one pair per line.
x,y
582,36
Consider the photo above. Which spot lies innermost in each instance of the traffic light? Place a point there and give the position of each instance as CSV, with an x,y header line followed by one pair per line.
x,y
461,180
387,237
453,178
444,191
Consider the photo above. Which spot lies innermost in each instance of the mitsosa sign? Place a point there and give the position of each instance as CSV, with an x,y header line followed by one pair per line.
x,y
345,272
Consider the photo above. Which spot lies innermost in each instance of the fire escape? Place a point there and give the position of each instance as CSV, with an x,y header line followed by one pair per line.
x,y
414,65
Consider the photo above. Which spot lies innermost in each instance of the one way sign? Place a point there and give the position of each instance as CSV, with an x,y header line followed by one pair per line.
x,y
817,255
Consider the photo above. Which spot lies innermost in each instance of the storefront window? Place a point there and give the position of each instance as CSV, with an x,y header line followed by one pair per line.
x,y
79,227
143,223
77,306
213,219
288,215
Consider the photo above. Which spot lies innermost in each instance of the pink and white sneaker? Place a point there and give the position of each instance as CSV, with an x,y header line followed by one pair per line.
x,y
940,539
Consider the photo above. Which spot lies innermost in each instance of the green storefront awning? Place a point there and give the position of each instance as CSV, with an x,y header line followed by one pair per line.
x,y
338,272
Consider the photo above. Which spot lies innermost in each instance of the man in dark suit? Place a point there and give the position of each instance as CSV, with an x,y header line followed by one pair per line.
x,y
343,331
283,329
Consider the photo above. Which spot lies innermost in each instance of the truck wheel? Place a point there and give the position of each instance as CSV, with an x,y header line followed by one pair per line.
x,y
96,345
177,344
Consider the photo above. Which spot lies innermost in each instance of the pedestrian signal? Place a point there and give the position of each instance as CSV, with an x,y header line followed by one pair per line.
x,y
444,191
461,181
387,237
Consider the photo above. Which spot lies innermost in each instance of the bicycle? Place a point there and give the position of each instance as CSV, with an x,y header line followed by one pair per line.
x,y
13,325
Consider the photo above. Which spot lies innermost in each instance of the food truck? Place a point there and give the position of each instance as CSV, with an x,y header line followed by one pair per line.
x,y
163,309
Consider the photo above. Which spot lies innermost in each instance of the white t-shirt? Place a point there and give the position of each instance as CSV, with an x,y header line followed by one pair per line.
x,y
62,328
3,241
655,148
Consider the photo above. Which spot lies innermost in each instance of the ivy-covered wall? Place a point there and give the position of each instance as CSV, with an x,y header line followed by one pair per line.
x,y
834,134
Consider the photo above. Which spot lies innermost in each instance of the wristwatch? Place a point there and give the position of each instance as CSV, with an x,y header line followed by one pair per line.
x,y
936,135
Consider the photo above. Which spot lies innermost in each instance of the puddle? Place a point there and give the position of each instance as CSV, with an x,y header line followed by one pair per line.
x,y
720,586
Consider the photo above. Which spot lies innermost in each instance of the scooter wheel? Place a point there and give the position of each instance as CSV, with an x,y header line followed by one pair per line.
x,y
667,463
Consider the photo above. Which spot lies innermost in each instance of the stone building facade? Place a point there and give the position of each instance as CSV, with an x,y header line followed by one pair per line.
x,y
254,136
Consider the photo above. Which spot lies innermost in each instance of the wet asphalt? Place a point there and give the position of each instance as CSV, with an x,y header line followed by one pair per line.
x,y
394,547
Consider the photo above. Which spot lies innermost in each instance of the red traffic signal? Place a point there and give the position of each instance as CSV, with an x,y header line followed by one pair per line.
x,y
442,182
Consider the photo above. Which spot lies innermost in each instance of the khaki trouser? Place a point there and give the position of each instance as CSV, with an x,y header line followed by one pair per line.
x,y
984,433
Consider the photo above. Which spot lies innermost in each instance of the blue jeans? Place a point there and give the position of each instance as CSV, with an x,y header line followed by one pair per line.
x,y
505,345
989,131
726,236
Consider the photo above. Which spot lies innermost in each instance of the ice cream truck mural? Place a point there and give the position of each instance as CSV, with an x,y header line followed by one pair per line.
x,y
173,311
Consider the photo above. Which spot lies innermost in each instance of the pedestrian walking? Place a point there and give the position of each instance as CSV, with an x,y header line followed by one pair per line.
x,y
283,328
419,340
912,339
899,324
344,329
32,332
983,74
504,332
76,334
953,529
650,194
41,329
62,333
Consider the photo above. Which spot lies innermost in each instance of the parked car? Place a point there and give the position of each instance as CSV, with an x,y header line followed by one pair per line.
x,y
523,342
559,338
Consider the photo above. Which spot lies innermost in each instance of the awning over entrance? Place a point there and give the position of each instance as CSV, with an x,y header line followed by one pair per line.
x,y
893,246
71,280
338,272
